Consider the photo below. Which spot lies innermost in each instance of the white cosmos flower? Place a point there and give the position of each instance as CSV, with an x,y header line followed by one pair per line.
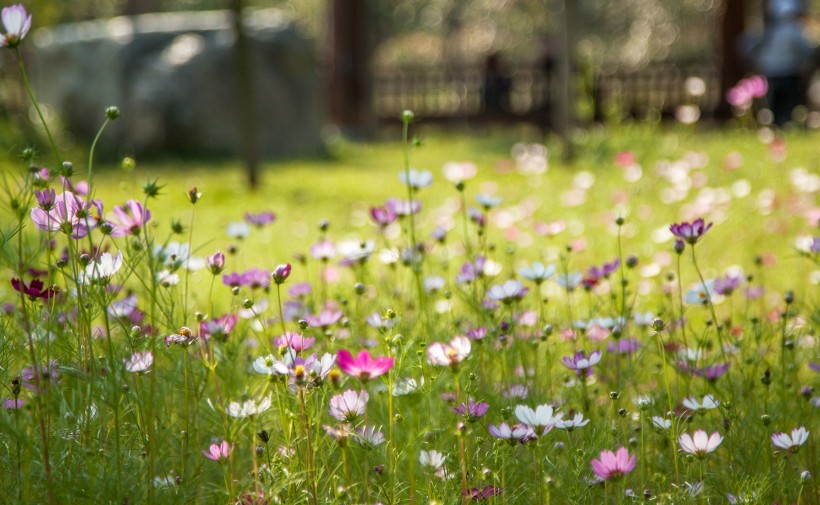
x,y
570,424
238,230
248,408
661,423
176,255
166,278
433,459
543,416
407,385
700,443
101,271
416,179
709,402
791,443
537,272
139,362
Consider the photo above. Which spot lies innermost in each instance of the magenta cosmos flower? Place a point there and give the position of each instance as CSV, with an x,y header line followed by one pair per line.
x,y
295,341
363,366
690,232
611,466
17,23
700,443
219,452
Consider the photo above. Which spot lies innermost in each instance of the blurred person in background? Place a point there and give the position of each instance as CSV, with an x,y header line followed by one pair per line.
x,y
783,55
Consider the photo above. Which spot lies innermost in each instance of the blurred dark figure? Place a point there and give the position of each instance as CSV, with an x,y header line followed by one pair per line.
x,y
495,92
783,55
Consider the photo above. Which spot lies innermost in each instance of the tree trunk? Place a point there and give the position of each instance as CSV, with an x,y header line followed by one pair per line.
x,y
730,64
134,7
245,97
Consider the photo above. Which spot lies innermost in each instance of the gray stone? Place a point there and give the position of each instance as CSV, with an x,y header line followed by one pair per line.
x,y
173,77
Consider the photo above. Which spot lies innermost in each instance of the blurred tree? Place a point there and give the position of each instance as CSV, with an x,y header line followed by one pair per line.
x,y
133,7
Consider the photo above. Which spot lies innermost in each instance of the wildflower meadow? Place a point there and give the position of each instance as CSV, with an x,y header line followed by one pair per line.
x,y
432,323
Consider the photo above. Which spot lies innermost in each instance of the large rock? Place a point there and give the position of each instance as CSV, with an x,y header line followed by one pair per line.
x,y
174,79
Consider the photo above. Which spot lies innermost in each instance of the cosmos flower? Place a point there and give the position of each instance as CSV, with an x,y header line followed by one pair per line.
x,y
709,402
577,421
369,436
661,423
248,408
611,466
700,443
132,216
363,366
510,291
17,23
726,285
433,459
484,493
139,362
219,452
472,410
349,405
581,363
416,179
518,433
701,294
260,219
449,354
218,327
216,263
791,442
34,289
383,216
69,214
325,319
323,250
295,341
101,270
542,418
692,232
281,273
537,272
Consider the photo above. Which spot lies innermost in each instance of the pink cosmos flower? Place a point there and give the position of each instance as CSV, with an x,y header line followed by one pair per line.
x,y
323,250
17,23
260,219
581,363
219,327
216,262
472,411
363,366
132,216
382,216
281,273
325,318
518,433
449,354
611,466
700,443
484,493
295,341
219,452
690,232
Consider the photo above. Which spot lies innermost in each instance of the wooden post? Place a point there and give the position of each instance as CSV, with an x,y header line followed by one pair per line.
x,y
245,97
348,67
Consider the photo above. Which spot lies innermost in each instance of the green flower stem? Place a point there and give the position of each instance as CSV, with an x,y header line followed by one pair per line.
x,y
27,85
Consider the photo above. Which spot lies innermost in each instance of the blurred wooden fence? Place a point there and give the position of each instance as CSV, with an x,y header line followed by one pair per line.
x,y
453,94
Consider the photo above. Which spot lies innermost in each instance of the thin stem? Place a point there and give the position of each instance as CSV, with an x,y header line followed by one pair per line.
x,y
91,153
56,152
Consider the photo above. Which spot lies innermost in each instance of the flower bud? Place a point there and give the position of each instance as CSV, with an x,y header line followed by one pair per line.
x,y
407,116
679,246
216,263
281,273
194,195
112,113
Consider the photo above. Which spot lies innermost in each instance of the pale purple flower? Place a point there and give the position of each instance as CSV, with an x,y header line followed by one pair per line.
x,y
727,285
510,291
624,346
139,362
325,319
219,452
692,232
216,263
516,391
581,363
17,23
518,433
256,278
219,327
791,442
45,198
70,214
402,207
383,216
700,443
484,493
260,219
349,405
472,410
477,333
610,466
323,250
39,378
299,289
11,403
